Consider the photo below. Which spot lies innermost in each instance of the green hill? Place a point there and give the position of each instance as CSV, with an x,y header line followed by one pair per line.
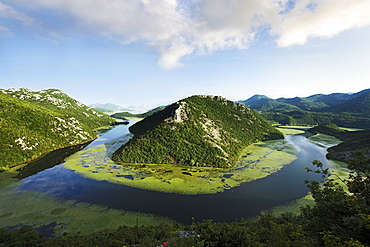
x,y
32,123
107,108
196,131
327,129
359,105
124,115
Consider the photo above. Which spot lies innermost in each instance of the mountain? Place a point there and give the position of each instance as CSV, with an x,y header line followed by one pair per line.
x,y
196,131
264,103
108,107
360,104
346,110
32,123
124,115
315,102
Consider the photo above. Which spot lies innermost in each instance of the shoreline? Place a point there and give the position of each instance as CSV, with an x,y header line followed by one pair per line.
x,y
48,160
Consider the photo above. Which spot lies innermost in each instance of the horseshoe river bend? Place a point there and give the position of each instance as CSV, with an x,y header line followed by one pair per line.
x,y
88,191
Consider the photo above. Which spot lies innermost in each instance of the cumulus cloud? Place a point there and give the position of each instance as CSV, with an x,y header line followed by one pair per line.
x,y
177,28
327,19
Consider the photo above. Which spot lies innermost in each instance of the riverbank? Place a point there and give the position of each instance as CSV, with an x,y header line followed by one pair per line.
x,y
70,192
255,162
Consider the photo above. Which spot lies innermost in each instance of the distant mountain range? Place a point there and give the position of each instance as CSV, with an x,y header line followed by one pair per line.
x,y
32,123
347,110
125,115
110,108
336,102
196,131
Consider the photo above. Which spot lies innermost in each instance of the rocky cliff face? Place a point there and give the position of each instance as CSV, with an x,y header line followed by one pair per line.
x,y
199,130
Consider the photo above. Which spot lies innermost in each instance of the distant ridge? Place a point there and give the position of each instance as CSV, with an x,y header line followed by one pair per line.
x,y
346,110
111,108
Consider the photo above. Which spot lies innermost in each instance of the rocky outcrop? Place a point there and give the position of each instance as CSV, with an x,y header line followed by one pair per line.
x,y
196,131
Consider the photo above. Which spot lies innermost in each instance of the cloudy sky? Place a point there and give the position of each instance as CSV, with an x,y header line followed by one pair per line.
x,y
154,52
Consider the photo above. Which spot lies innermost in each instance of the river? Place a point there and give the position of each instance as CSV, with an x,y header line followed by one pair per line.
x,y
240,202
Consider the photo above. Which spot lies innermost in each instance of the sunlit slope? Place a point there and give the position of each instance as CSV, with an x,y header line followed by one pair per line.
x,y
196,131
32,123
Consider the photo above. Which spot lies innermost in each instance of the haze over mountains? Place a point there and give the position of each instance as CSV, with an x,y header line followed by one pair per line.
x,y
111,108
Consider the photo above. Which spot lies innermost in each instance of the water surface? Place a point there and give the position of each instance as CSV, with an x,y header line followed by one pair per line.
x,y
240,202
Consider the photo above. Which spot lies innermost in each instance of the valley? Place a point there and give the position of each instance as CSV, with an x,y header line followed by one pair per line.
x,y
84,182
203,157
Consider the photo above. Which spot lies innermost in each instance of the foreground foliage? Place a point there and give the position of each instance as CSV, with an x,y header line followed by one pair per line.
x,y
32,123
196,131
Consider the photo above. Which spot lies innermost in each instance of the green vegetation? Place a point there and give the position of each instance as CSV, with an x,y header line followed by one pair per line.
x,y
197,131
127,115
304,118
345,110
66,217
352,141
327,129
255,161
339,218
32,123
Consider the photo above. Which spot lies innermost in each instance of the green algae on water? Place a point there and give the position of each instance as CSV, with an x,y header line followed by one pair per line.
x,y
68,217
255,161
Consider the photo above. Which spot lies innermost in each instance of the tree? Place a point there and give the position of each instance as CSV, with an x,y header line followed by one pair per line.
x,y
341,215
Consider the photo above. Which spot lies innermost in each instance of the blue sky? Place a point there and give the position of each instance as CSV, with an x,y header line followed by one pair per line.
x,y
150,53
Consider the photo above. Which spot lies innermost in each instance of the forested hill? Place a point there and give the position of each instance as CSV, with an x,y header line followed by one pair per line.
x,y
125,115
32,123
196,131
346,110
354,103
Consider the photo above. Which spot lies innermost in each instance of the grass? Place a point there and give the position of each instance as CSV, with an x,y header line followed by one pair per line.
x,y
292,130
68,217
324,140
255,162
293,207
340,172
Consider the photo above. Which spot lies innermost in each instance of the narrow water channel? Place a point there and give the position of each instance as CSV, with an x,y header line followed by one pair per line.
x,y
240,202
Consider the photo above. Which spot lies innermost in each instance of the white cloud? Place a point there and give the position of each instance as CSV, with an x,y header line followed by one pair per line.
x,y
178,28
329,18
170,57
8,12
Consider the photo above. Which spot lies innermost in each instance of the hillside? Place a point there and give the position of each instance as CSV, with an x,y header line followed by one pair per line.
x,y
353,142
108,107
346,110
264,103
196,131
124,115
32,123
359,105
327,129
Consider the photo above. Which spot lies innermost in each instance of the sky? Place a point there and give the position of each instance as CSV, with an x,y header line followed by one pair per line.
x,y
154,52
